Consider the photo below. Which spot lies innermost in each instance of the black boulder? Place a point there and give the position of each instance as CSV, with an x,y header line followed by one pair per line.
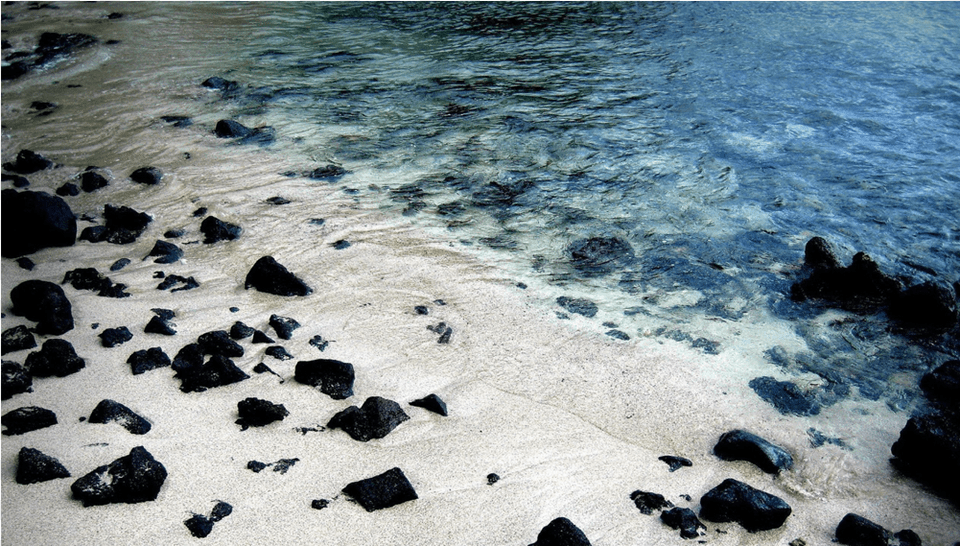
x,y
228,128
267,275
561,532
56,357
255,412
218,342
382,491
34,466
753,509
110,411
27,419
111,337
376,418
166,253
647,502
215,230
927,306
856,530
28,162
35,220
145,360
332,377
283,326
18,338
216,372
147,175
16,380
740,445
134,478
928,450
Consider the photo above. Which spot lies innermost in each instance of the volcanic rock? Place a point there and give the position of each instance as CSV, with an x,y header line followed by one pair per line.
x,y
28,162
190,356
599,255
648,502
382,491
110,411
376,418
561,532
269,276
53,46
122,226
35,220
675,462
227,128
255,412
160,323
859,531
739,445
685,520
18,338
579,306
68,189
929,305
112,337
928,450
218,342
147,175
34,466
148,359
333,377
283,326
260,337
185,283
120,264
278,352
27,419
753,509
240,330
860,287
92,181
88,278
167,253
16,380
134,478
818,254
431,402
56,357
942,385
327,172
215,230
200,526
216,372
785,396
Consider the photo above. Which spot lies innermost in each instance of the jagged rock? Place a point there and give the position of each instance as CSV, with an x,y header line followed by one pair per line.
x,y
215,230
92,181
255,412
147,175
942,385
382,491
216,372
333,377
647,502
685,520
122,226
927,306
561,532
260,337
33,221
28,162
327,172
227,128
860,287
240,330
753,509
16,380
599,255
68,189
376,418
579,306
739,445
110,411
160,323
818,254
283,326
928,450
269,276
674,462
431,402
56,357
167,253
218,342
190,356
18,338
33,466
278,352
859,531
27,419
785,396
148,359
134,478
111,337
88,278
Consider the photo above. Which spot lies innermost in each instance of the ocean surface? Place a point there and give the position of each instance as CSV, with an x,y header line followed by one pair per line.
x,y
715,139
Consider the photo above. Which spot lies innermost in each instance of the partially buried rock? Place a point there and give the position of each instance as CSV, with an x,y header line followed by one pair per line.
x,y
785,396
111,337
647,502
561,532
284,326
216,372
218,342
333,377
228,128
147,175
160,323
278,352
35,220
431,402
599,255
240,330
753,509
33,466
267,275
45,303
376,418
16,380
148,359
28,162
579,306
134,478
685,520
382,491
255,412
327,172
55,358
215,230
857,530
27,419
18,338
110,411
675,462
166,253
740,445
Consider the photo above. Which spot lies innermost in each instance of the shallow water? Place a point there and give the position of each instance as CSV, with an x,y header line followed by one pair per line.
x,y
715,139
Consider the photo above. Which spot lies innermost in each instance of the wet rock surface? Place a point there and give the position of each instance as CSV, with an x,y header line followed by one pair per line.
x,y
44,303
745,446
267,275
753,509
376,418
134,478
856,530
122,226
150,176
786,396
599,255
683,519
35,220
33,466
578,306
111,411
165,253
561,532
333,377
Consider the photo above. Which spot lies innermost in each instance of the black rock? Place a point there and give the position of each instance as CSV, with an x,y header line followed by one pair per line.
x,y
27,419
134,478
255,412
56,357
215,230
17,180
35,467
120,264
785,396
256,466
220,511
928,306
46,304
220,84
431,402
112,337
181,283
68,189
382,491
216,372
35,220
327,172
599,255
16,380
618,334
147,175
753,509
376,418
177,121
942,385
319,504
685,520
148,359
240,330
859,531
333,377
928,450
28,162
190,356
110,411
283,326
278,352
492,478
908,538
341,244
860,287
227,128
92,181
26,263
561,532
199,526
739,445
157,325
260,337
579,306
18,338
167,253
219,343
819,254
674,462
648,502
267,275
421,310
53,46
126,219
88,278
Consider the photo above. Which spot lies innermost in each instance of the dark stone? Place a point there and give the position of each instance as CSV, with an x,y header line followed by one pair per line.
x,y
318,342
861,287
561,532
908,538
256,466
739,445
674,462
159,325
16,380
618,334
227,128
579,306
753,509
18,338
26,263
28,162
255,412
928,450
27,419
431,402
69,189
92,181
199,212
40,105
53,46
35,220
181,283
219,342
216,372
785,396
190,356
85,278
269,276
928,306
134,478
278,352
319,504
942,385
46,304
327,172
341,245
240,330
382,491
120,264
35,467
260,337
174,233
599,255
148,359
819,254
421,310
167,253
55,358
177,121
284,326
110,411
277,200
112,337
376,418
123,226
199,526
215,230
220,84
685,520
147,175
17,180
648,502
492,478
859,531
332,377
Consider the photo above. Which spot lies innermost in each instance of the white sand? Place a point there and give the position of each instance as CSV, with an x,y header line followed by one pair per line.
x,y
571,420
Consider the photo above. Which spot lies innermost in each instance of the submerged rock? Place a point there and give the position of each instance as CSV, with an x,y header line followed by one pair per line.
x,y
110,411
92,181
683,519
150,176
376,418
431,402
269,276
927,306
28,162
382,491
33,466
599,255
785,396
928,450
18,338
327,172
56,357
578,306
860,287
228,128
27,419
647,502
857,530
216,230
739,445
333,377
561,532
255,412
35,220
16,380
134,478
753,509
